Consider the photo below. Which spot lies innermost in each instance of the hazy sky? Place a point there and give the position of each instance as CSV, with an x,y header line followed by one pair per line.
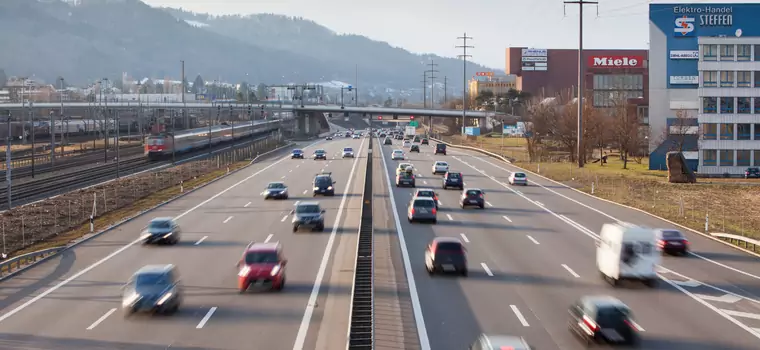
x,y
433,25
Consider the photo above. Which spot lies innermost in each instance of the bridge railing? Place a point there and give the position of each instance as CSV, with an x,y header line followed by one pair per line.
x,y
740,241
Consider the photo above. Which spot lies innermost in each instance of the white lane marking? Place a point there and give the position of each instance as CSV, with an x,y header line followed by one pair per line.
x,y
227,220
201,240
571,271
312,303
519,315
206,318
298,165
449,216
283,176
284,218
725,298
268,238
486,269
742,314
304,191
322,170
440,204
540,204
246,205
101,319
464,183
688,283
327,165
532,239
419,318
507,218
464,238
489,204
296,203
424,182
290,171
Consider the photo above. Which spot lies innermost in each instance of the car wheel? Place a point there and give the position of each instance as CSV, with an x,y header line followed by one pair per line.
x,y
282,285
435,221
243,289
321,228
464,272
295,228
651,283
127,312
482,206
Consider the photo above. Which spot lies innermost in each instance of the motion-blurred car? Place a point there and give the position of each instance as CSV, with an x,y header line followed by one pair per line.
x,y
422,209
276,190
320,154
405,179
440,148
163,230
323,184
348,152
404,167
387,141
500,342
451,179
407,144
472,197
309,215
296,154
751,172
603,319
397,155
446,255
414,148
154,289
428,193
329,138
518,178
425,142
672,242
262,266
355,136
440,168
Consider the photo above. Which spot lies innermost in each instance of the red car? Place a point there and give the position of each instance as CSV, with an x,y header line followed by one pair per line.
x,y
262,266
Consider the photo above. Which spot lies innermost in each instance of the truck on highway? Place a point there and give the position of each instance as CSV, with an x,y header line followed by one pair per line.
x,y
410,131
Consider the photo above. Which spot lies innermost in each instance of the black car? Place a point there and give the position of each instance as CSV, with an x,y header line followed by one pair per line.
x,y
276,190
297,153
162,231
603,319
309,215
453,180
473,197
388,141
348,134
414,148
405,179
446,255
672,242
382,134
323,184
320,154
153,288
440,148
751,172
425,142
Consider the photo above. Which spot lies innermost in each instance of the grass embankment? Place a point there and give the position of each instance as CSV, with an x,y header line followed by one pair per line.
x,y
733,205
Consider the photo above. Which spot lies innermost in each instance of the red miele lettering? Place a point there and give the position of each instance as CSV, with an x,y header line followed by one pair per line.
x,y
616,61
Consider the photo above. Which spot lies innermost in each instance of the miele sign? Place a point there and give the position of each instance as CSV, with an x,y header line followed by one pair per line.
x,y
616,62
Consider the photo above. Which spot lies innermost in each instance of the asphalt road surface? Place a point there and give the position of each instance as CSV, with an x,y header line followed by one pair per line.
x,y
73,301
532,254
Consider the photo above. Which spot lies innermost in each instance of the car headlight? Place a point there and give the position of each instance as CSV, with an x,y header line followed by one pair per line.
x,y
316,188
133,298
167,235
275,270
244,271
329,188
165,297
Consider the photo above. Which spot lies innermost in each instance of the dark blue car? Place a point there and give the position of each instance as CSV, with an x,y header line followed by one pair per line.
x,y
297,153
453,180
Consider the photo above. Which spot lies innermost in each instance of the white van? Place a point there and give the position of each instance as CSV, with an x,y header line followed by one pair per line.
x,y
628,252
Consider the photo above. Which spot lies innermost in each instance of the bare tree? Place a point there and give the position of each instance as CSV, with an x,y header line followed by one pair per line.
x,y
625,129
677,133
538,116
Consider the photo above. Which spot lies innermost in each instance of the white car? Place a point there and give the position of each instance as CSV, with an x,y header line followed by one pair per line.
x,y
356,136
348,152
397,155
407,144
517,178
440,168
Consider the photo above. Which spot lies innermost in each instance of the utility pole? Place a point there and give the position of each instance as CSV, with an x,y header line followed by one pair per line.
x,y
432,77
184,89
445,90
424,89
356,83
581,77
464,57
8,156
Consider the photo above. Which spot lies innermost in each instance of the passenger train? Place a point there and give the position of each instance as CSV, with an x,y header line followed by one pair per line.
x,y
160,146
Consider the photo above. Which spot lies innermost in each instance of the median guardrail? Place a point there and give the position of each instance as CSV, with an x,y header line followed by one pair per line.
x,y
17,263
749,243
491,154
361,332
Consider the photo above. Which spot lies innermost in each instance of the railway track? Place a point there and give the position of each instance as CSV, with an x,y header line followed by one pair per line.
x,y
40,189
71,162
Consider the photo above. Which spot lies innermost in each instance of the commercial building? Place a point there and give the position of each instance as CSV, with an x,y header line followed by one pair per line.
x,y
611,75
486,81
706,60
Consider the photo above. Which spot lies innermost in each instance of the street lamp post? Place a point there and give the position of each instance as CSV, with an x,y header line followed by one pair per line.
x,y
8,155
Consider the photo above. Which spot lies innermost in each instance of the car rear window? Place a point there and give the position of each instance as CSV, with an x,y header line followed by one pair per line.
x,y
473,192
448,247
453,175
261,258
671,234
425,194
307,209
441,164
440,146
611,316
519,175
406,175
424,203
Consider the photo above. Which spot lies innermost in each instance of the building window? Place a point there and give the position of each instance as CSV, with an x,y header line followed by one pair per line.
x,y
726,131
744,105
727,52
744,131
757,131
757,158
742,157
726,157
726,79
757,58
726,105
757,105
710,78
710,131
709,157
608,98
744,79
643,113
709,105
710,52
757,78
743,52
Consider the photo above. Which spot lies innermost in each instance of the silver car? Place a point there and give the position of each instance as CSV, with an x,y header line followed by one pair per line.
x,y
518,178
422,209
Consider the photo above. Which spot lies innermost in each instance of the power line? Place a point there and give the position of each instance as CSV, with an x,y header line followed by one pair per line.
x,y
464,57
581,75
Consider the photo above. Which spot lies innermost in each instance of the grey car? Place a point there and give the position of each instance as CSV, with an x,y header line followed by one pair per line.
x,y
422,209
154,289
472,197
498,342
308,215
162,231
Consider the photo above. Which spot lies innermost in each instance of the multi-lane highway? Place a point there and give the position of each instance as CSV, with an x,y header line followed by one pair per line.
x,y
73,301
532,254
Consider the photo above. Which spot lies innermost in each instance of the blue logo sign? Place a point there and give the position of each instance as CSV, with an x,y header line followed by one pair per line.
x,y
684,26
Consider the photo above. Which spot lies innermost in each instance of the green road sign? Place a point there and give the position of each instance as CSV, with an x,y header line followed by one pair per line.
x,y
414,123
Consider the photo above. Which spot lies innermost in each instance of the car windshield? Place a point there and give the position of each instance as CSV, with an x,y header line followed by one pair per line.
x,y
276,185
348,149
160,224
519,175
319,151
440,145
261,258
322,181
671,234
151,279
453,175
609,316
297,151
307,209
424,203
